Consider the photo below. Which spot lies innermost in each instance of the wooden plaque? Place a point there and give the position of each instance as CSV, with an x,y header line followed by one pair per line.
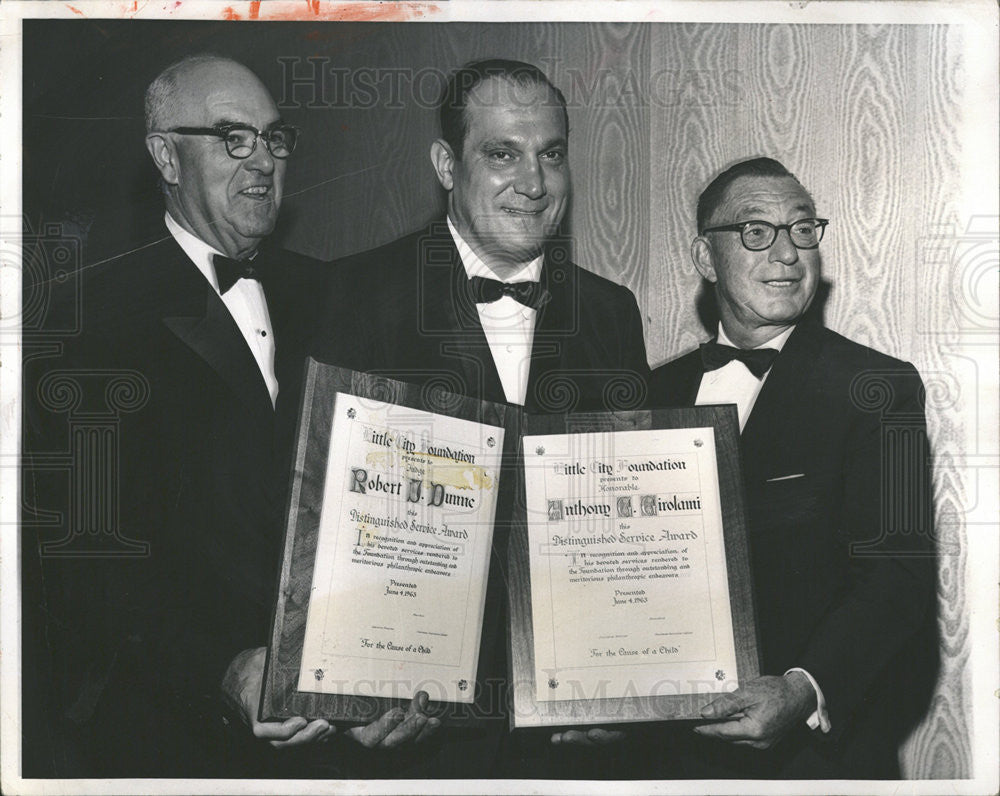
x,y
630,589
387,549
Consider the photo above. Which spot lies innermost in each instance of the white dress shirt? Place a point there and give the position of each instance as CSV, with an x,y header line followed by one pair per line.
x,y
733,383
508,324
244,300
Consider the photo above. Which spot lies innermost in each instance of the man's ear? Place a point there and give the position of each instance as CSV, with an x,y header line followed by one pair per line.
x,y
164,155
444,160
701,256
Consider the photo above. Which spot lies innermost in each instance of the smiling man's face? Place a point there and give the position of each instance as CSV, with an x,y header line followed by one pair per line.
x,y
509,189
760,293
230,204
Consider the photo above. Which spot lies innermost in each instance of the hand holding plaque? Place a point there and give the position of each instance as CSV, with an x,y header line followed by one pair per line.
x,y
387,552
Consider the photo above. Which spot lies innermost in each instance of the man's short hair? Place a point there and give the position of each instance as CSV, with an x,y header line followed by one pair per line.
x,y
713,195
161,101
451,109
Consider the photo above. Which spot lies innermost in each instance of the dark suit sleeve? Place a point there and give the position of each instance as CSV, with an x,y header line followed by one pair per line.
x,y
633,341
133,643
887,520
621,374
347,333
129,651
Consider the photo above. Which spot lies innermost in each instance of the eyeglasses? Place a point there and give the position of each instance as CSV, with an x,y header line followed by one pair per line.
x,y
806,233
241,139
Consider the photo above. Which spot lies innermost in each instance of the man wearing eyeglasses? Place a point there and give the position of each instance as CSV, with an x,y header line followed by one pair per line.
x,y
158,655
841,583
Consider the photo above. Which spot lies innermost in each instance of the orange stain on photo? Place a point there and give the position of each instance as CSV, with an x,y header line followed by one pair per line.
x,y
313,10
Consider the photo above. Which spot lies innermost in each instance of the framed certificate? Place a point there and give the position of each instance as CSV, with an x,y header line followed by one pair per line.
x,y
631,597
387,550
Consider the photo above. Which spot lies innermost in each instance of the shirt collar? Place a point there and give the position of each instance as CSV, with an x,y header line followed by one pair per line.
x,y
777,342
529,272
199,252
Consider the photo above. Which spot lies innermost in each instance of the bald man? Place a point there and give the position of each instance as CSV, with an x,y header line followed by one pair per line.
x,y
154,658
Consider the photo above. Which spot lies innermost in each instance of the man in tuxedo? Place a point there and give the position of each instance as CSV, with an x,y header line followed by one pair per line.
x,y
486,303
836,468
154,594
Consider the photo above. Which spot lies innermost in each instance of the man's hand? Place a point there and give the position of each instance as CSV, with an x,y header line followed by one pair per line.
x,y
241,687
396,727
762,711
595,736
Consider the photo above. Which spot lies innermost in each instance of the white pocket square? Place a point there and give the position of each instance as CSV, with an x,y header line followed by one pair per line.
x,y
785,477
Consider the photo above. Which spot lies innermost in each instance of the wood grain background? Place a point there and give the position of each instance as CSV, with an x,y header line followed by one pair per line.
x,y
869,117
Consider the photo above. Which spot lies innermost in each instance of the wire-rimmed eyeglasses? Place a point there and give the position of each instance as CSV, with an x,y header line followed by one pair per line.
x,y
806,233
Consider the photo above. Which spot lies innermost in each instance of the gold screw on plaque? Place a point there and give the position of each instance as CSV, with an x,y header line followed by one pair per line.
x,y
698,443
553,683
491,442
351,413
319,675
720,675
463,685
540,450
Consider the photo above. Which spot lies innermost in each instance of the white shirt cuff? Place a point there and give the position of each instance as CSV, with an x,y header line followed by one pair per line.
x,y
819,718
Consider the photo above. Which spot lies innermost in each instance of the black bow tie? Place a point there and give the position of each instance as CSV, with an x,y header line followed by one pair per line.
x,y
486,291
229,272
757,360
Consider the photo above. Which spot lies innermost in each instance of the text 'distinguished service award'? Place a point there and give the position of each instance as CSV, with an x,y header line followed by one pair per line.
x,y
396,561
631,590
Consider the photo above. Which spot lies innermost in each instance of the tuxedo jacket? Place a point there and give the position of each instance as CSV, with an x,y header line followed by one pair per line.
x,y
161,561
837,483
404,311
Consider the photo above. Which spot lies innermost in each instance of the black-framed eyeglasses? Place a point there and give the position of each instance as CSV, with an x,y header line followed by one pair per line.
x,y
806,233
241,139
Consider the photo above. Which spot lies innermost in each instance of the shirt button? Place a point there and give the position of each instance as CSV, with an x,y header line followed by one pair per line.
x,y
510,349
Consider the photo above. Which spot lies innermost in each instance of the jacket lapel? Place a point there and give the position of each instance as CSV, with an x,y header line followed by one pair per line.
x,y
786,388
676,383
552,345
203,323
447,297
689,375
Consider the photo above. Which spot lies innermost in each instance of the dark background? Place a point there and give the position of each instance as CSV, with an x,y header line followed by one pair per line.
x,y
86,165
